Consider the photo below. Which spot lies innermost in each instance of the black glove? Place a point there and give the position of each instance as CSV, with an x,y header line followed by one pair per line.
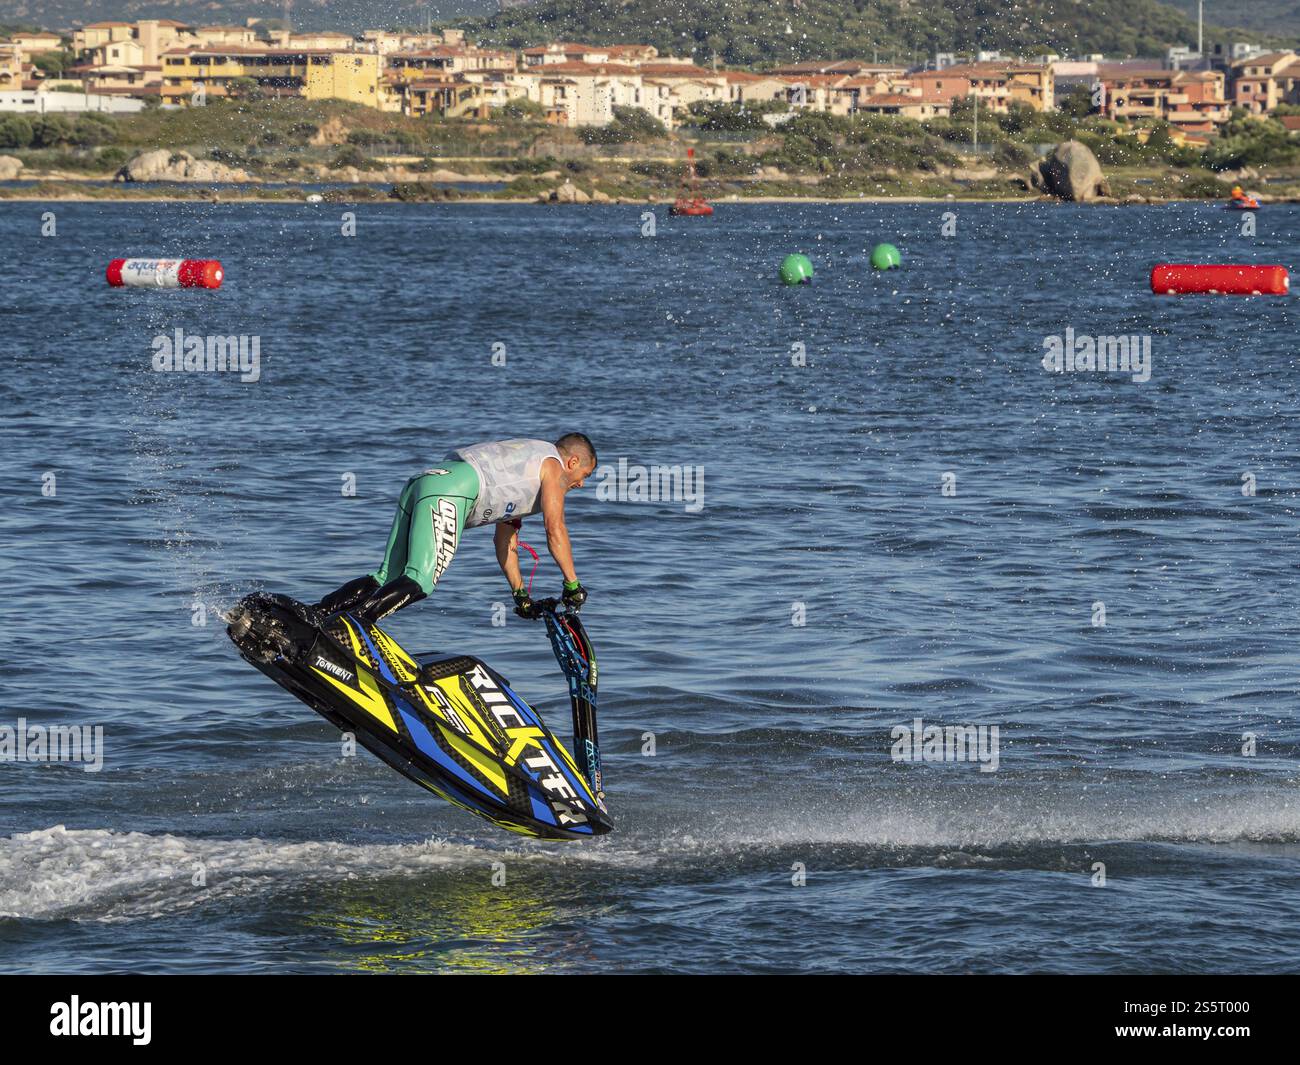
x,y
574,596
524,605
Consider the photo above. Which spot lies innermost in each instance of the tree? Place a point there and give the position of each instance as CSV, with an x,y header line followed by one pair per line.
x,y
243,88
1077,103
521,108
53,64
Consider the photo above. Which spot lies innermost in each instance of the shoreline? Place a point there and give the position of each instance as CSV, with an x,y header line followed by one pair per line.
x,y
31,196
488,201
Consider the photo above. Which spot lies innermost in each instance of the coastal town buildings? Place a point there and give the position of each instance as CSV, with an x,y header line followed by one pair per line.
x,y
1192,101
577,84
1265,81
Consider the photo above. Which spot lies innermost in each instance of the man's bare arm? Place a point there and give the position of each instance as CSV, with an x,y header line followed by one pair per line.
x,y
506,539
557,534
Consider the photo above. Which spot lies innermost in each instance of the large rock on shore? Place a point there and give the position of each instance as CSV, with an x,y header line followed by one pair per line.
x,y
164,165
9,167
566,193
1070,172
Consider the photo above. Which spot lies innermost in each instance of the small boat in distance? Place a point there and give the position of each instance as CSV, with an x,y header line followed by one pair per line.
x,y
689,200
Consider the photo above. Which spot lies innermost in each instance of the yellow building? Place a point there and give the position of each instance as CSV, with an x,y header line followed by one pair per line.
x,y
316,74
278,72
11,67
351,76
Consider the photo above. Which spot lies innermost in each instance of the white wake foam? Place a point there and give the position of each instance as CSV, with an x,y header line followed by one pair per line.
x,y
95,874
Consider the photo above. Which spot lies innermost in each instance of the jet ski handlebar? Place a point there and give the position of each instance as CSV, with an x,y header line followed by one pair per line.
x,y
553,605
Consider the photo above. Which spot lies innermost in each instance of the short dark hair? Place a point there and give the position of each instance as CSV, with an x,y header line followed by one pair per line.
x,y
577,442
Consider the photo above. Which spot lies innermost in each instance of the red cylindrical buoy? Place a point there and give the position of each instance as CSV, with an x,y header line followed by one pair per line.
x,y
165,273
1176,279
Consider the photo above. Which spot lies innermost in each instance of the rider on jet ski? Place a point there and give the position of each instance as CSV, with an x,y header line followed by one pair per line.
x,y
495,483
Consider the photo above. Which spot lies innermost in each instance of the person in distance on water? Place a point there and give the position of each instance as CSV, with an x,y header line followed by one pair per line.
x,y
498,483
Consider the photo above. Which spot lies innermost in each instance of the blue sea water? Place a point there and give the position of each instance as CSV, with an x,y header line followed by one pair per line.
x,y
918,522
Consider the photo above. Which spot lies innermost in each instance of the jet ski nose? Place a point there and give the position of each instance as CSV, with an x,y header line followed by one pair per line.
x,y
238,623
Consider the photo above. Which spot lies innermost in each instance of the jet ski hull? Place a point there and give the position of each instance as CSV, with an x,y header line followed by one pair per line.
x,y
451,724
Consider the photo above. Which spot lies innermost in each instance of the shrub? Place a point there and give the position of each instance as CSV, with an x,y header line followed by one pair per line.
x,y
1012,156
707,115
523,110
112,157
50,131
15,132
348,155
93,129
629,124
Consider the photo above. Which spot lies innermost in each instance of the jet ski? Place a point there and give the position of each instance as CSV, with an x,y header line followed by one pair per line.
x,y
450,723
1239,201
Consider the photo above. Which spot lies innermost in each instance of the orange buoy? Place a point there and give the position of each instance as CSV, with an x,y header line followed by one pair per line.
x,y
1177,279
164,273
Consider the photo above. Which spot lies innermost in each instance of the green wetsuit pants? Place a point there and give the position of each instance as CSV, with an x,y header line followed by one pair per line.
x,y
427,527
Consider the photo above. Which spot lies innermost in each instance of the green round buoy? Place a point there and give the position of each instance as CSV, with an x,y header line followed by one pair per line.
x,y
885,257
796,269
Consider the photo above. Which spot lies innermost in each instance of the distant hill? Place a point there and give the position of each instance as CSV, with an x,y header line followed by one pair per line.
x,y
741,31
349,17
754,31
1260,16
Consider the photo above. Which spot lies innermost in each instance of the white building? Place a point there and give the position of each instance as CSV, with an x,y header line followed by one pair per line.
x,y
40,103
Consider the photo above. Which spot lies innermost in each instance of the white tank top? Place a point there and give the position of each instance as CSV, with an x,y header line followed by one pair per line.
x,y
509,476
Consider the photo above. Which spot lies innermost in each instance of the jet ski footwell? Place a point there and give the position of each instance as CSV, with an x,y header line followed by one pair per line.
x,y
451,724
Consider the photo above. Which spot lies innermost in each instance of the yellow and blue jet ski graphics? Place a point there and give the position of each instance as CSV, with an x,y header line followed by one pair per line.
x,y
451,724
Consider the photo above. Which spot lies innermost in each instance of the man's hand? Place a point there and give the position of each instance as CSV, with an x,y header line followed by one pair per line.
x,y
574,595
524,605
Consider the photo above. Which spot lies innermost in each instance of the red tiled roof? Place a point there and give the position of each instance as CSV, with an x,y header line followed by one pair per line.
x,y
683,70
1267,59
125,90
588,68
886,99
562,46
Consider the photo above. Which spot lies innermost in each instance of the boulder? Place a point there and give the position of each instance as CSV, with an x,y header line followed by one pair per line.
x,y
9,167
164,165
570,193
1070,172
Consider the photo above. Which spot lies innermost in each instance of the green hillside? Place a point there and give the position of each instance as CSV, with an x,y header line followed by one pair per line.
x,y
765,31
